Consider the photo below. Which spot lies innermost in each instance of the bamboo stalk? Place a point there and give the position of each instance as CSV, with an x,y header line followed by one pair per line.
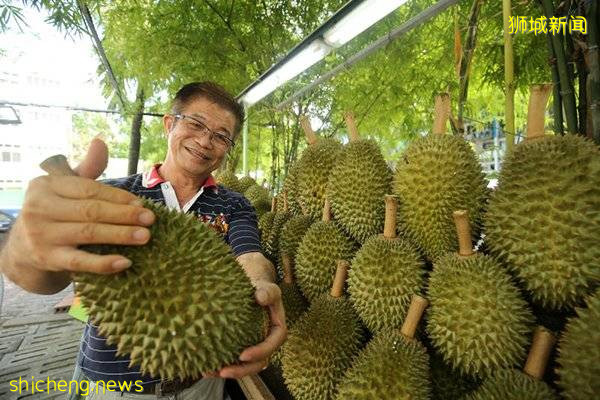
x,y
566,85
509,78
593,18
556,98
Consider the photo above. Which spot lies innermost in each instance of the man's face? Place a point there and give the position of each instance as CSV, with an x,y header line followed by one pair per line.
x,y
194,152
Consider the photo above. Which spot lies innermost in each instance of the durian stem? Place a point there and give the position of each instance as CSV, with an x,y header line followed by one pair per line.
x,y
463,231
441,113
274,204
286,261
57,165
311,137
327,211
539,353
538,98
351,124
391,209
286,205
337,290
418,304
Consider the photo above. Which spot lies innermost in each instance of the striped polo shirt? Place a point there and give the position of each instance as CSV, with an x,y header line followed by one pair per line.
x,y
214,205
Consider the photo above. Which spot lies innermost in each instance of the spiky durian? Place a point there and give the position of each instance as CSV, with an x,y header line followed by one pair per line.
x,y
229,180
292,233
579,353
543,217
357,184
313,170
271,240
201,326
290,189
320,347
438,174
392,366
260,199
511,384
446,383
477,320
321,246
385,274
245,182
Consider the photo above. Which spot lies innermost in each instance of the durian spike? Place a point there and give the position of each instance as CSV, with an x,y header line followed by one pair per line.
x,y
441,113
391,210
57,165
311,137
274,204
327,211
418,304
286,262
539,353
463,231
286,205
337,290
538,98
351,124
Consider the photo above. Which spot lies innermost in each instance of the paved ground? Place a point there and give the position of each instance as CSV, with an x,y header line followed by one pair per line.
x,y
34,341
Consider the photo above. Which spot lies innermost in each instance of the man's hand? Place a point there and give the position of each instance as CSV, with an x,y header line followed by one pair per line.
x,y
256,358
62,212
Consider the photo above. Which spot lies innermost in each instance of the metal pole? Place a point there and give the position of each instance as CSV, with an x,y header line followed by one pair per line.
x,y
245,142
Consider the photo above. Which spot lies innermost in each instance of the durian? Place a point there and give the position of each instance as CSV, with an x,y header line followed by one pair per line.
x,y
477,320
313,169
511,384
438,174
321,246
245,182
269,226
393,366
446,383
259,198
292,233
290,189
385,274
229,180
357,184
321,344
544,216
579,353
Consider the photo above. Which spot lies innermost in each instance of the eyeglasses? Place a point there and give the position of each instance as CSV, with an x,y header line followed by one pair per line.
x,y
219,139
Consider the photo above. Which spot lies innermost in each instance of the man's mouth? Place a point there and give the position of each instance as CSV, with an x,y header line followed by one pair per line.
x,y
198,154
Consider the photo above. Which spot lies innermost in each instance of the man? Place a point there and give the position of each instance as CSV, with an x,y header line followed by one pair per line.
x,y
62,212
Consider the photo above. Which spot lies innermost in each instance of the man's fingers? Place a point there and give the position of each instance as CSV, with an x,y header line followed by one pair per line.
x,y
92,210
74,187
95,160
74,260
239,371
263,350
97,233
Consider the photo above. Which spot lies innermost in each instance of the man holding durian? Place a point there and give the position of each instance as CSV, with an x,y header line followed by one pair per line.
x,y
62,213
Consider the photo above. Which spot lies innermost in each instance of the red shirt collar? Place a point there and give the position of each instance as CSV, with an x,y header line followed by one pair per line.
x,y
152,178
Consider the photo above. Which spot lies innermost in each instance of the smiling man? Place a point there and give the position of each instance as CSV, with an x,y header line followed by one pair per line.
x,y
61,213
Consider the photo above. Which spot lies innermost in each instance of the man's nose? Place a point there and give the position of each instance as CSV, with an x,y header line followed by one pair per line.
x,y
204,140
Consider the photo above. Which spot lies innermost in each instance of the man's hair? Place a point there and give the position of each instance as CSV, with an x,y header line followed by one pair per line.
x,y
211,91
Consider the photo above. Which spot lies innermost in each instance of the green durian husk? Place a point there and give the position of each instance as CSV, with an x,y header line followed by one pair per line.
x,y
511,384
230,181
579,353
320,347
477,319
270,225
292,233
184,307
316,259
543,218
437,175
290,187
446,383
313,170
390,367
260,199
357,186
385,274
245,182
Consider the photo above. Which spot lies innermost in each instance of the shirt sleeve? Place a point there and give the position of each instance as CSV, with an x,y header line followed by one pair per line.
x,y
243,234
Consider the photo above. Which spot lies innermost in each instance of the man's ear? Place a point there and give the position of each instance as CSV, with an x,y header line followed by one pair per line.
x,y
168,121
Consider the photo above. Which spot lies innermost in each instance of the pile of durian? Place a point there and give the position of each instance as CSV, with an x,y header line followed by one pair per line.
x,y
517,317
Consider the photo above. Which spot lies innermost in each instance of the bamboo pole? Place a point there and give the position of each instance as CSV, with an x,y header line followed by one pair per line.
x,y
593,17
556,97
566,85
509,78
